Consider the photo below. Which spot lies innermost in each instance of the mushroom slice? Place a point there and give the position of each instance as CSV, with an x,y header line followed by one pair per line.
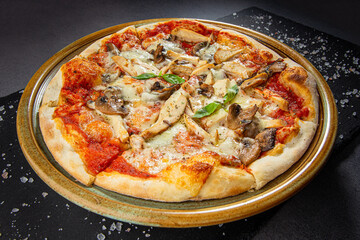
x,y
125,65
277,66
223,55
194,128
199,46
266,139
186,35
179,56
158,55
250,150
110,77
164,92
239,118
169,114
206,90
110,103
255,81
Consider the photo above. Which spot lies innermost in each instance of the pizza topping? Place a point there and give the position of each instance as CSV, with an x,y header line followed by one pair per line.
x,y
164,92
199,46
254,81
266,139
206,90
109,103
136,142
250,150
181,70
223,55
112,49
194,128
158,54
239,118
188,36
170,113
275,67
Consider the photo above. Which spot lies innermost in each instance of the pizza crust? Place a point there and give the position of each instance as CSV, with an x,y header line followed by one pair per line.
x,y
61,150
268,168
222,182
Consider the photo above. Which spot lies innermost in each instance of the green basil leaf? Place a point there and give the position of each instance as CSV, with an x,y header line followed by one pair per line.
x,y
145,76
231,93
207,110
174,79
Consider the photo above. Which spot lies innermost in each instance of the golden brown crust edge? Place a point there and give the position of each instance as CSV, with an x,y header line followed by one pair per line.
x,y
268,168
60,149
233,181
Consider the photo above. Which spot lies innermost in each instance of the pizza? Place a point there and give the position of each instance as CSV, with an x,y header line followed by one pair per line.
x,y
178,110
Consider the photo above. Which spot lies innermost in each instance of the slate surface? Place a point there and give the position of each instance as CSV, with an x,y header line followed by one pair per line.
x,y
326,209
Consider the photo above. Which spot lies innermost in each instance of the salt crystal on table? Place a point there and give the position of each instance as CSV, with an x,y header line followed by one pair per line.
x,y
100,236
24,179
14,210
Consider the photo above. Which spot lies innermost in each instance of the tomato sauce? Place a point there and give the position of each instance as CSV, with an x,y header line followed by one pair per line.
x,y
186,24
79,76
295,102
122,166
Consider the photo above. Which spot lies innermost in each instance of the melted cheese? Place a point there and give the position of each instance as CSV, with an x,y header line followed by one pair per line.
x,y
128,91
207,53
138,54
165,138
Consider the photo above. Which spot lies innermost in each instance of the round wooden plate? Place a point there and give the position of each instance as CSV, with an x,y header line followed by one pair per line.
x,y
187,214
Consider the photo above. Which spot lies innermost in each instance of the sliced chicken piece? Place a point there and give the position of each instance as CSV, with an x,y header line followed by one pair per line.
x,y
277,99
125,65
189,36
170,113
203,70
182,57
136,142
223,55
210,79
142,67
221,86
117,124
194,128
181,70
236,69
167,67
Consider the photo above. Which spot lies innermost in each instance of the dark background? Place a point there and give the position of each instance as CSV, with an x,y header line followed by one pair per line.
x,y
32,31
328,208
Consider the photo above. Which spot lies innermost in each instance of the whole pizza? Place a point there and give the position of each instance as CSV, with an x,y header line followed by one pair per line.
x,y
179,110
